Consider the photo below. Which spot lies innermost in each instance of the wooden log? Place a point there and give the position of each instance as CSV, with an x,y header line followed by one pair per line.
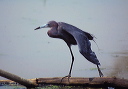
x,y
17,79
80,81
93,82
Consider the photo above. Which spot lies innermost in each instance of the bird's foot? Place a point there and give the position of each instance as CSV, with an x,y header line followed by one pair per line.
x,y
101,74
68,76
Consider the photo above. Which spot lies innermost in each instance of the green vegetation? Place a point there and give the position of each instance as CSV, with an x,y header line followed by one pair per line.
x,y
65,87
96,69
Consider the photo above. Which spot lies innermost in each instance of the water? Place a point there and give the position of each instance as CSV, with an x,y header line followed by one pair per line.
x,y
32,54
11,87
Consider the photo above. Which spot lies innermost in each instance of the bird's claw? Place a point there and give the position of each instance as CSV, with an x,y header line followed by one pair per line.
x,y
101,74
68,76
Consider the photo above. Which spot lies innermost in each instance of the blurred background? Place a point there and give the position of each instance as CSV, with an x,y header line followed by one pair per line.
x,y
32,54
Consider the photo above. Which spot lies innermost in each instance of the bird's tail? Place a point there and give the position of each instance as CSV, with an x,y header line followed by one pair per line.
x,y
96,44
95,41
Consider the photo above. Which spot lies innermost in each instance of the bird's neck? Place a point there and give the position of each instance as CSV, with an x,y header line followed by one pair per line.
x,y
53,32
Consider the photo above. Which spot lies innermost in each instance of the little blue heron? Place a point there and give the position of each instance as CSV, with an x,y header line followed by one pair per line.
x,y
73,36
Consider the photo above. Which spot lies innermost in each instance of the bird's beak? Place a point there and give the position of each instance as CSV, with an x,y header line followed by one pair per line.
x,y
44,26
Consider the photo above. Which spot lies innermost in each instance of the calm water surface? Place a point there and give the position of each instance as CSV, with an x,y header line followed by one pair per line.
x,y
32,54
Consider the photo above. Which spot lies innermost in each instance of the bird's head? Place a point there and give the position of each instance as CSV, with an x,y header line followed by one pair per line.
x,y
48,25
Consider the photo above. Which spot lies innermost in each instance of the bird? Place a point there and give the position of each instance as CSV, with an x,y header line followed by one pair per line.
x,y
73,36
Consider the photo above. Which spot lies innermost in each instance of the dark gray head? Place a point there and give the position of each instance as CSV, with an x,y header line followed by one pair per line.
x,y
49,24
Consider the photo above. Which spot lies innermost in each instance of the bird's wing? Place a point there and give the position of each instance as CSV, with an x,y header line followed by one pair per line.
x,y
70,28
82,41
79,35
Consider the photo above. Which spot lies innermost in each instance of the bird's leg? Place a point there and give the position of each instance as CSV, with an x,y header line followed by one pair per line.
x,y
72,62
69,75
100,73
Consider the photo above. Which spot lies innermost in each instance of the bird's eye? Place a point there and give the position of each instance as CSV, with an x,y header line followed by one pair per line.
x,y
48,25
